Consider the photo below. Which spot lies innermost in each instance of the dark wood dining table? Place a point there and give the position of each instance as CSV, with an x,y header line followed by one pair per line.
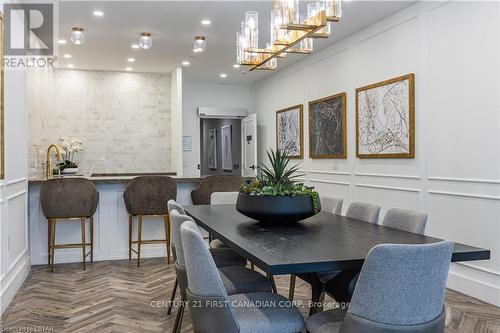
x,y
323,242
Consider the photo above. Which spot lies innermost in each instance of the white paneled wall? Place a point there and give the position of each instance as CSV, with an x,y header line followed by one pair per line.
x,y
14,247
453,49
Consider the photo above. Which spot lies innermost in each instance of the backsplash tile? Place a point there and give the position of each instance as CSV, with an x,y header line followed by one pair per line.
x,y
123,119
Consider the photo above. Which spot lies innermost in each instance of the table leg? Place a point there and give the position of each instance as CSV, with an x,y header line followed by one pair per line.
x,y
317,290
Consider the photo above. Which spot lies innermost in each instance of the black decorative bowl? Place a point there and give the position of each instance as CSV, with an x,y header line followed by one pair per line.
x,y
278,209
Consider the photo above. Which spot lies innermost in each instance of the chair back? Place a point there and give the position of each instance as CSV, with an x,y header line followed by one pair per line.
x,y
172,204
404,219
363,211
224,198
205,286
331,205
148,195
68,197
401,285
176,220
211,184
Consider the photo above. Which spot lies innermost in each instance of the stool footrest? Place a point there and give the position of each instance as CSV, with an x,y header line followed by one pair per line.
x,y
152,241
69,246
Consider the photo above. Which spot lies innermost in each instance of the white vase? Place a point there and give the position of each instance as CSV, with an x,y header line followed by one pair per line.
x,y
69,171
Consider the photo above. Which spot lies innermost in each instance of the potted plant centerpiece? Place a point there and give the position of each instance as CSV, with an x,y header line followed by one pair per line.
x,y
276,197
68,152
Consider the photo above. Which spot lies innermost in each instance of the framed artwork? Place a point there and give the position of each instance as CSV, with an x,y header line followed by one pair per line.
x,y
289,131
327,127
212,149
2,173
385,119
227,148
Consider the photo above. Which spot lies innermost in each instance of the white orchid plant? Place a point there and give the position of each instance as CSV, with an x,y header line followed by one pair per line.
x,y
69,149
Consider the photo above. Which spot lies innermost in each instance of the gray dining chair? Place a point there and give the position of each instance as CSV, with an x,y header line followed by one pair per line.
x,y
404,219
401,288
363,211
222,198
331,205
246,312
357,210
236,279
407,220
172,204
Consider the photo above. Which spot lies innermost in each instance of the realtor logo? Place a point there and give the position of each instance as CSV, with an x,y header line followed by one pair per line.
x,y
28,29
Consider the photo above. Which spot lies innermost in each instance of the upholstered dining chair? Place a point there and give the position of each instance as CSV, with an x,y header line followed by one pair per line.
x,y
357,210
222,198
401,288
262,312
211,184
332,205
404,219
236,279
363,211
144,197
407,220
69,199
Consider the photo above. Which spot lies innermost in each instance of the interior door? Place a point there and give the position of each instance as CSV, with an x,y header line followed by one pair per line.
x,y
249,145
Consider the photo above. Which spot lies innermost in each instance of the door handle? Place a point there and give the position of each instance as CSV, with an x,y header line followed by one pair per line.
x,y
252,167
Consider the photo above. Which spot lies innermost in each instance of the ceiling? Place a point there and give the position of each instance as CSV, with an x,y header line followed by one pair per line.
x,y
174,25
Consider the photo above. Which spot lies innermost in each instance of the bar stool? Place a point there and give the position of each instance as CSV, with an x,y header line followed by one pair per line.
x,y
69,199
147,196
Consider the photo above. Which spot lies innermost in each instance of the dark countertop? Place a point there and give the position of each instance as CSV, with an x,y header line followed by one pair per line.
x,y
114,178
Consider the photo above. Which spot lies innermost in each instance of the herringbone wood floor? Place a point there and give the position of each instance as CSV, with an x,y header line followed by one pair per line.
x,y
117,296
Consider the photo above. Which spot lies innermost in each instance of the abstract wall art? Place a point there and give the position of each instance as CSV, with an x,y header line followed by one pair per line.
x,y
385,119
212,148
227,148
289,131
327,127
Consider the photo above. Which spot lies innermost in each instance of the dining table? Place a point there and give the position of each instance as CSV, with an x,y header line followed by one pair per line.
x,y
321,243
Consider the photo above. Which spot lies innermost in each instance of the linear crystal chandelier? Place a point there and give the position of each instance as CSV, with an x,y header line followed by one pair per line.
x,y
291,32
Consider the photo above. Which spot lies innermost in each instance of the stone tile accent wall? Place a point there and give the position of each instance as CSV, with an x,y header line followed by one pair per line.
x,y
123,119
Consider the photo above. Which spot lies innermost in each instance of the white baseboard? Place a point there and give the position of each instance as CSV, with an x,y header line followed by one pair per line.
x,y
475,283
10,283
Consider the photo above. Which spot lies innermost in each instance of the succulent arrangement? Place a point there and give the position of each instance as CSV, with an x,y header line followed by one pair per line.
x,y
280,179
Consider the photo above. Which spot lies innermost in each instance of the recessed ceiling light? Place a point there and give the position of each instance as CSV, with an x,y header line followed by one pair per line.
x,y
223,75
130,59
236,66
185,63
206,22
71,66
61,41
98,13
128,69
67,56
135,46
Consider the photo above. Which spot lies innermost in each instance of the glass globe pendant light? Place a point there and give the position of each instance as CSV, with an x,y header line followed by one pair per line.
x,y
145,41
77,36
200,44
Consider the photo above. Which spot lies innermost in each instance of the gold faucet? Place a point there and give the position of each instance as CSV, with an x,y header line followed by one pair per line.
x,y
48,164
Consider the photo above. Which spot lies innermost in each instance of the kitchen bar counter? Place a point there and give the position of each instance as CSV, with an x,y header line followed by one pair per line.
x,y
117,178
110,221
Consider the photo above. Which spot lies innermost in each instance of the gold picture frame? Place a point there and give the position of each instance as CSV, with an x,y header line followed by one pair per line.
x,y
282,134
313,154
375,148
